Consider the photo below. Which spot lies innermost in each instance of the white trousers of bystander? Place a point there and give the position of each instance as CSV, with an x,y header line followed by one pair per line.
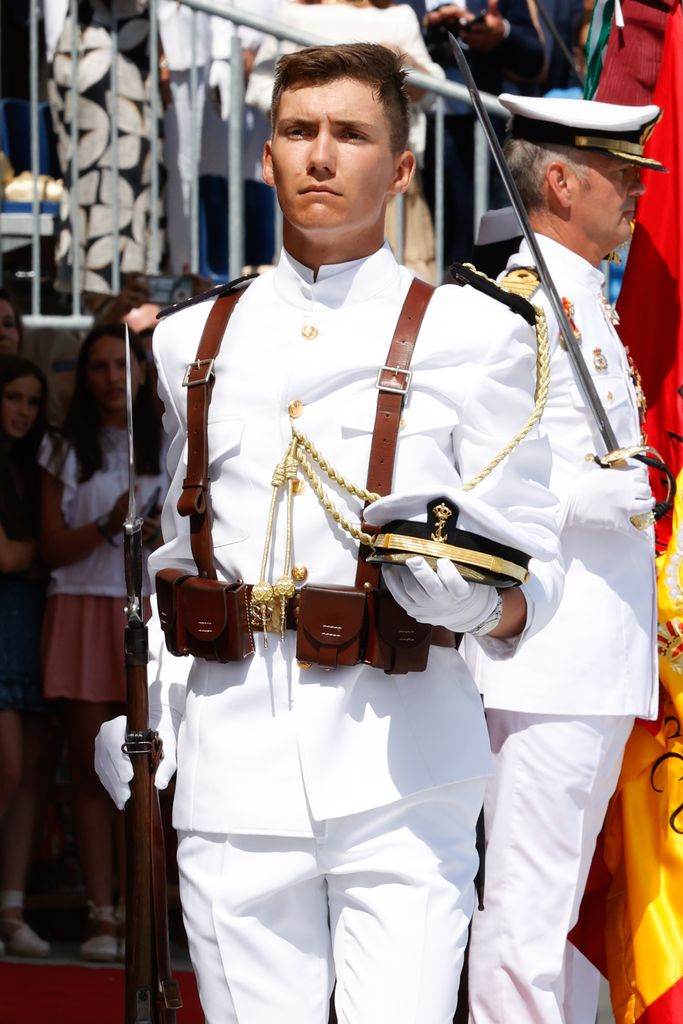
x,y
544,809
379,900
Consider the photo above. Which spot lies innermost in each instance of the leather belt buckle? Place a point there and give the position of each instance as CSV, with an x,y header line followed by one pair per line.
x,y
205,365
273,617
397,388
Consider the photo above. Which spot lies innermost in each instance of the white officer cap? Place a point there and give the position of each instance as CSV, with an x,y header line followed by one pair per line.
x,y
607,128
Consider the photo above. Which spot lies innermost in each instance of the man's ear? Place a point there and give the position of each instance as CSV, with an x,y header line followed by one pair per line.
x,y
267,164
403,172
561,183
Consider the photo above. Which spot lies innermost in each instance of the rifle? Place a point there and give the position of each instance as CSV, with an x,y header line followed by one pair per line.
x,y
615,457
152,995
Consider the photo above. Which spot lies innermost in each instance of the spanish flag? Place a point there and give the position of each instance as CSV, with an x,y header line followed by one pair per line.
x,y
631,923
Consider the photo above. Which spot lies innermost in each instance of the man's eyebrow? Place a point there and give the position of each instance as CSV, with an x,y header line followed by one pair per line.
x,y
360,126
307,122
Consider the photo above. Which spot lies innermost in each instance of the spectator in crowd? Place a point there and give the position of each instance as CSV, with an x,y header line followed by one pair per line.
x,y
375,21
84,504
256,128
10,325
185,37
23,718
502,39
135,207
571,21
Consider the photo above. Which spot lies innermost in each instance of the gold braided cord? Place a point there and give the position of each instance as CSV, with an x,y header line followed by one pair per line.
x,y
326,501
305,446
540,398
330,471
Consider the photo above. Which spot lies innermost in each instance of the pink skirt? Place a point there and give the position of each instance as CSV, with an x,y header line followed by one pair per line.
x,y
82,648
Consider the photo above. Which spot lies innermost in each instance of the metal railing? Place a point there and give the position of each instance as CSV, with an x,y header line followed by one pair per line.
x,y
442,90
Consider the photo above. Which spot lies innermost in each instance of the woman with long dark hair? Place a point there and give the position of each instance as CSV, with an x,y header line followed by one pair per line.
x,y
11,332
85,501
22,596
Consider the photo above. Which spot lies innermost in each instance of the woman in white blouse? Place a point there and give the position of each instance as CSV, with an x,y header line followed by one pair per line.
x,y
84,503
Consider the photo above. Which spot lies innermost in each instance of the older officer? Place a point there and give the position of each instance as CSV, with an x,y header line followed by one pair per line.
x,y
326,818
560,714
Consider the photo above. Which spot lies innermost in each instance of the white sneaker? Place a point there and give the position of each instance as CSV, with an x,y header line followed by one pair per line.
x,y
24,942
102,945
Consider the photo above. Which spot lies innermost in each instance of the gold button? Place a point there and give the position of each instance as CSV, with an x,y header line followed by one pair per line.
x,y
299,573
610,396
304,665
309,331
295,408
298,486
401,422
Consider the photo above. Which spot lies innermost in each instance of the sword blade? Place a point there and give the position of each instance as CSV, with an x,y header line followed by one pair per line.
x,y
584,378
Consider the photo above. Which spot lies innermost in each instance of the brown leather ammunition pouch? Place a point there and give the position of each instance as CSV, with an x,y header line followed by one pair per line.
x,y
206,618
396,642
332,625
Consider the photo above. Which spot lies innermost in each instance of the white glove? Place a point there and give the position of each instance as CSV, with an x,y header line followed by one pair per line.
x,y
115,769
219,79
607,498
442,598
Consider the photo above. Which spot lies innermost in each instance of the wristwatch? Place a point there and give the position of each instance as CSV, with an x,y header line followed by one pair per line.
x,y
492,621
103,523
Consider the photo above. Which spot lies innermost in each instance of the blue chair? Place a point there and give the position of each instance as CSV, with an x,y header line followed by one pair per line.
x,y
15,142
259,221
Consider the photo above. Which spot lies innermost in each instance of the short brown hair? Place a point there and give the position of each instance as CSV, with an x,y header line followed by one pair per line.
x,y
371,63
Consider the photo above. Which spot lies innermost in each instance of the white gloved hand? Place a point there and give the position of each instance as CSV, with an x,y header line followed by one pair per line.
x,y
442,598
219,79
115,769
607,498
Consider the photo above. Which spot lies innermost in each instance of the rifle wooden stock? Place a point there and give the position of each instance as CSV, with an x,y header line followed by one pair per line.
x,y
152,995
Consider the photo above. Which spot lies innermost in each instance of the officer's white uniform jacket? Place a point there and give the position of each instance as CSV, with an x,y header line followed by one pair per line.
x,y
598,654
263,744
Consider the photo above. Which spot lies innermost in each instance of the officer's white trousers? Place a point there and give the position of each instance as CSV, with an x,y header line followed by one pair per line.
x,y
543,809
381,900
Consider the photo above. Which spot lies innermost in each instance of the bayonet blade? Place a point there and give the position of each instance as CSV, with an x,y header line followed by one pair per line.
x,y
132,527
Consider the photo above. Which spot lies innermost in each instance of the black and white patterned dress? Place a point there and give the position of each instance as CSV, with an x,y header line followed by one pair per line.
x,y
95,179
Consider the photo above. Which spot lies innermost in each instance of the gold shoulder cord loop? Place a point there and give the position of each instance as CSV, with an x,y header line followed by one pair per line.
x,y
522,282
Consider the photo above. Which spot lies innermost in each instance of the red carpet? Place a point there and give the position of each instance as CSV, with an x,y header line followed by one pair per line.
x,y
69,994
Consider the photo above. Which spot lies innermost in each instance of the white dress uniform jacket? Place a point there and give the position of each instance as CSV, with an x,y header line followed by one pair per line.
x,y
598,654
264,744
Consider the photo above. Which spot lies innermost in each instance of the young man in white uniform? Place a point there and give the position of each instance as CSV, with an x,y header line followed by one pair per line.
x,y
559,715
326,819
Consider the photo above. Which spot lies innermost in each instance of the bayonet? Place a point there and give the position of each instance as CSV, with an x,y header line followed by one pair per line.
x,y
132,527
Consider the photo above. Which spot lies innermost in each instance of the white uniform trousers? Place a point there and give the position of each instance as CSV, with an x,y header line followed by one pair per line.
x,y
544,809
381,900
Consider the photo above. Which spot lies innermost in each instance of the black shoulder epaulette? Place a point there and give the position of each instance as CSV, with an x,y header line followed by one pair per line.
x,y
465,275
213,293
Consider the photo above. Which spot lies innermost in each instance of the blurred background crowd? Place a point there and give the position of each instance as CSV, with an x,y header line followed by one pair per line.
x,y
63,442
